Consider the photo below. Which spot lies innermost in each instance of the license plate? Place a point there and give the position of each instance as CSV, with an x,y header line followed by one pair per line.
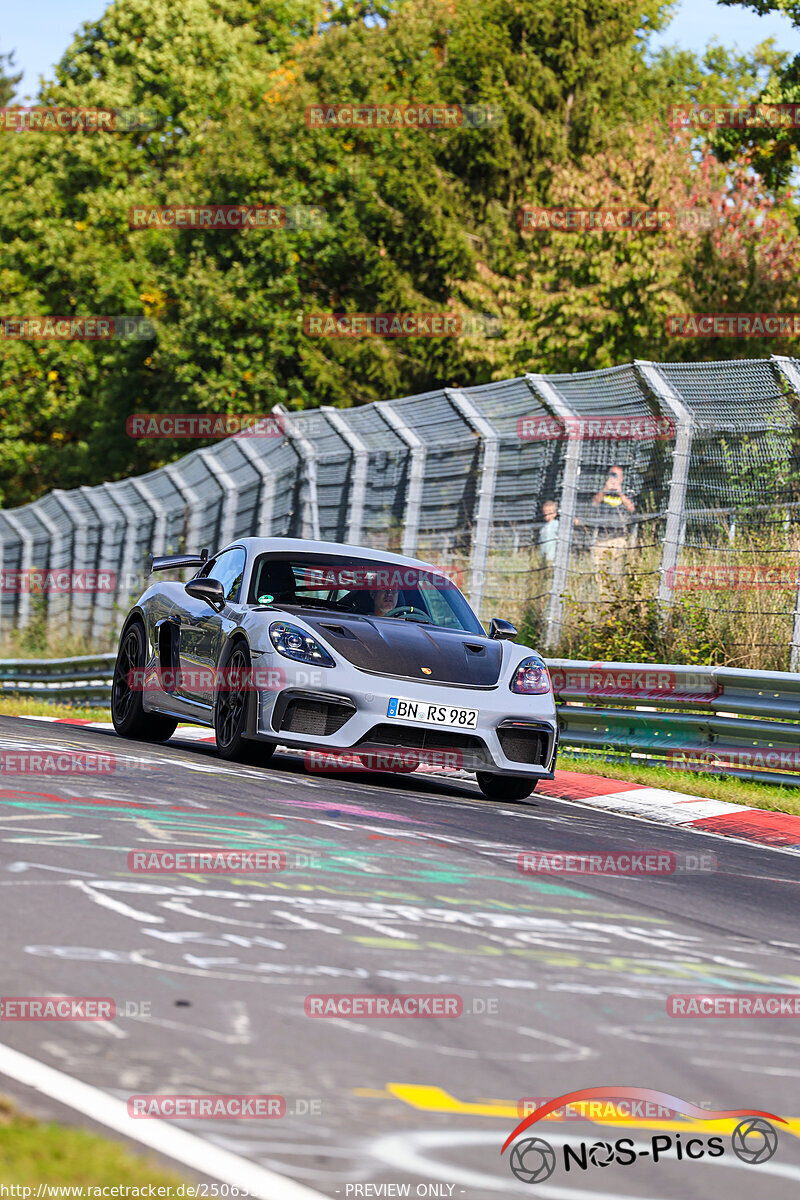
x,y
432,714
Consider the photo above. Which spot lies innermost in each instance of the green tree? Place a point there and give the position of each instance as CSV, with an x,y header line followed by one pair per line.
x,y
773,150
8,83
415,221
575,301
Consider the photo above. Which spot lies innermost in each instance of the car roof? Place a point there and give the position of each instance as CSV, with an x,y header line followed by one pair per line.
x,y
279,545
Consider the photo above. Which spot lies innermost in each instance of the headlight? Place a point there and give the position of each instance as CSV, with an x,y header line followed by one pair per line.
x,y
295,643
531,677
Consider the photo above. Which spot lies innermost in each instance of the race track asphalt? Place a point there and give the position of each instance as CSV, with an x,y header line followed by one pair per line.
x,y
410,885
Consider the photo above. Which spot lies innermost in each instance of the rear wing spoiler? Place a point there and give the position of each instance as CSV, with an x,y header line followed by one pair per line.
x,y
165,562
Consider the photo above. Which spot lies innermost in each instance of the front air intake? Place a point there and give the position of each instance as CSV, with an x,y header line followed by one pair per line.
x,y
313,716
523,743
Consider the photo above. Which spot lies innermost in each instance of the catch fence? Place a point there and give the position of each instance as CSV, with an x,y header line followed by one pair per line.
x,y
556,495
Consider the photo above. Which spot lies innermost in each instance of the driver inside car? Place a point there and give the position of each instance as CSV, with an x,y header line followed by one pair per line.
x,y
383,601
370,601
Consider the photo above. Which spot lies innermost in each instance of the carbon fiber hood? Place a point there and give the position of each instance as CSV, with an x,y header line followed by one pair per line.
x,y
402,648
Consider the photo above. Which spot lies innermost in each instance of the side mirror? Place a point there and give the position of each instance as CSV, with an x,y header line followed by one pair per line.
x,y
502,631
209,590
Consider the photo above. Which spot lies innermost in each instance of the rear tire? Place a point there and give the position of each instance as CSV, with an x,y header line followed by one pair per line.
x,y
127,697
505,787
232,705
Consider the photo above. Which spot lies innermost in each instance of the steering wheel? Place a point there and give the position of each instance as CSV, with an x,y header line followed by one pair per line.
x,y
407,610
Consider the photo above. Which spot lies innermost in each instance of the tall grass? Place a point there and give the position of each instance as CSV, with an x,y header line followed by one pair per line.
x,y
611,612
43,639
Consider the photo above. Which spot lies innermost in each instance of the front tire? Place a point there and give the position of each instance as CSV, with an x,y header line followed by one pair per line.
x,y
505,787
127,696
232,705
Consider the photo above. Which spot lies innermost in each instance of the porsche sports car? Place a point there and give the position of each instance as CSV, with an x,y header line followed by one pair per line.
x,y
326,647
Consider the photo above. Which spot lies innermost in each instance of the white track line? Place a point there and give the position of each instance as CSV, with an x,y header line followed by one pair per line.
x,y
167,1139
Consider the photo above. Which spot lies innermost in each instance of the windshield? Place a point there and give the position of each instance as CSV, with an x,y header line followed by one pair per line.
x,y
362,587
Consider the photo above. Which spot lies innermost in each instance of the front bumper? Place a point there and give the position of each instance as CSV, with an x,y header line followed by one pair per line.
x,y
345,709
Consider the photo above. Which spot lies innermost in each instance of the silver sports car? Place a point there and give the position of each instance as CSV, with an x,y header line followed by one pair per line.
x,y
341,651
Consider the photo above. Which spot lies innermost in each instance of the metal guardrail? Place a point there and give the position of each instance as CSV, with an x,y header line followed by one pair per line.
x,y
73,680
718,720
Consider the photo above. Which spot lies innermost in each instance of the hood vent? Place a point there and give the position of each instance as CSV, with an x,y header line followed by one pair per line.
x,y
336,630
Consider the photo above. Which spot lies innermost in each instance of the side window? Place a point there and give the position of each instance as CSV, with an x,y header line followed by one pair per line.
x,y
228,568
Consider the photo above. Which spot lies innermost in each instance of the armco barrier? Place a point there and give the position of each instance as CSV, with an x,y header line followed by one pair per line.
x,y
707,724
717,720
82,680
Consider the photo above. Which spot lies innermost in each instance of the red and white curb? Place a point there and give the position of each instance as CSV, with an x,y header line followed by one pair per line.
x,y
761,826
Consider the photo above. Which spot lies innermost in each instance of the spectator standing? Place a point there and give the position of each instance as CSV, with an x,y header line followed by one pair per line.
x,y
611,523
548,534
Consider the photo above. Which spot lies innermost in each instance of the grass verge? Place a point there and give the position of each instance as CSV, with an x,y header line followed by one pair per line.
x,y
714,787
34,1152
21,706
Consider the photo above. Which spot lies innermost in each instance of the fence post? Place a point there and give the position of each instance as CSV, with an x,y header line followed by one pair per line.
x,y
78,616
679,480
788,368
266,500
490,440
358,480
568,504
230,494
101,507
130,582
158,539
308,457
192,505
416,475
56,604
26,563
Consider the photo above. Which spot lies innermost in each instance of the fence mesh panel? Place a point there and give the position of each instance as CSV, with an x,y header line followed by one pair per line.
x,y
741,517
560,497
387,480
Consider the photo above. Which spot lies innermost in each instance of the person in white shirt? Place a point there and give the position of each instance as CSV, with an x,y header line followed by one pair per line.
x,y
548,534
